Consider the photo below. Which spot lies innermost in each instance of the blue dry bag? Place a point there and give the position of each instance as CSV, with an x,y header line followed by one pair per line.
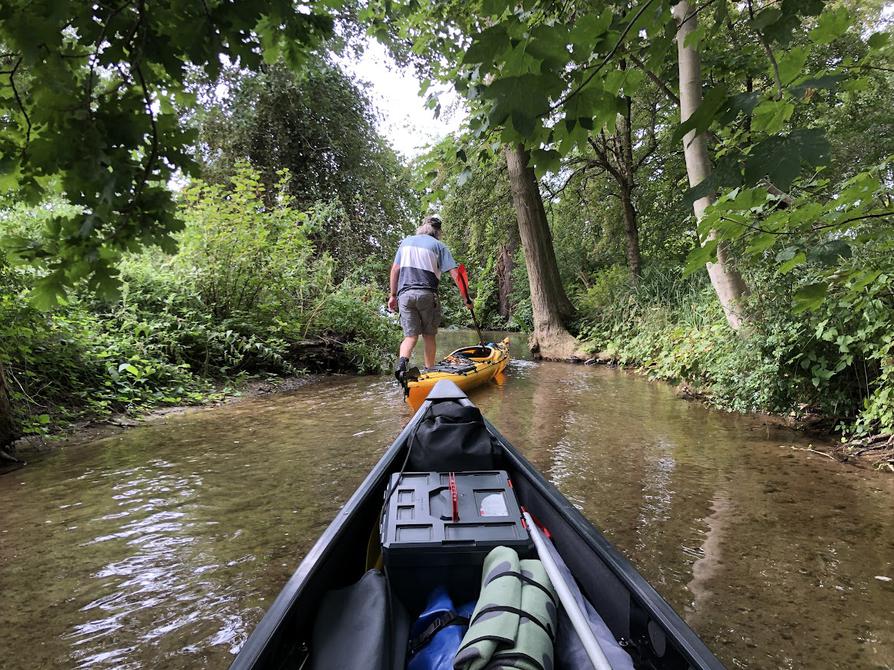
x,y
436,634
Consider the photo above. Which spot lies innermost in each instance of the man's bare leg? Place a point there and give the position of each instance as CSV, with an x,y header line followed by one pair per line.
x,y
430,349
407,346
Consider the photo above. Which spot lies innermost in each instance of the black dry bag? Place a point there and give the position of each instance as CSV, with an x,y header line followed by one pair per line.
x,y
360,627
452,437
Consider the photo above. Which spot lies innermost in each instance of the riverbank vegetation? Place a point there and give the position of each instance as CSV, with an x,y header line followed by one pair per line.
x,y
246,293
785,159
277,247
702,191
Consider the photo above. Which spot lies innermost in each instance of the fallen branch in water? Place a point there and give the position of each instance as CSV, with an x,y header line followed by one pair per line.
x,y
811,450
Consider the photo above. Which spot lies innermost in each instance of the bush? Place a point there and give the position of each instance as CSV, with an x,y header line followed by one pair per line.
x,y
836,361
247,293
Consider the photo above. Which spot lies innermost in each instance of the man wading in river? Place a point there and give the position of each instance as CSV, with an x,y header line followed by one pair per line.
x,y
420,260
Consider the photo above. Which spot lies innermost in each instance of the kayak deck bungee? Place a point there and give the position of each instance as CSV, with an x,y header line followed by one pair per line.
x,y
466,367
638,618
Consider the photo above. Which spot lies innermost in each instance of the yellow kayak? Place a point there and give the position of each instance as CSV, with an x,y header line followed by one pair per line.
x,y
467,367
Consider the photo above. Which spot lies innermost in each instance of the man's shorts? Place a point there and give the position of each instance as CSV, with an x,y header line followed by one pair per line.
x,y
420,312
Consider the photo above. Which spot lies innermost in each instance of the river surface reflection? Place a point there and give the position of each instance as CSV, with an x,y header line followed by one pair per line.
x,y
162,546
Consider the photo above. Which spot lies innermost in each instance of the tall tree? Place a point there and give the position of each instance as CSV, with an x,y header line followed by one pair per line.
x,y
8,431
620,155
483,228
320,125
549,301
726,279
505,266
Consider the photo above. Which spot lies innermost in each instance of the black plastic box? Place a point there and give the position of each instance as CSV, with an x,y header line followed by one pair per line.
x,y
425,546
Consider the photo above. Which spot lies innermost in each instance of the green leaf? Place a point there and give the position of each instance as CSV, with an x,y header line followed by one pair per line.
x,y
791,63
760,243
766,18
546,161
130,369
694,38
589,27
726,173
811,296
487,45
796,260
779,158
745,102
698,257
771,115
830,252
632,81
548,44
833,23
523,99
613,80
864,278
748,199
826,81
701,119
49,291
878,40
494,7
518,61
856,84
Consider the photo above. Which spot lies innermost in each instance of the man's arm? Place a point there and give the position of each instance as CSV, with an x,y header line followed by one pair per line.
x,y
392,299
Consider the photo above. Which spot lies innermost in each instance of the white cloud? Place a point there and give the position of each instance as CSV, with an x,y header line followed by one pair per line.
x,y
404,120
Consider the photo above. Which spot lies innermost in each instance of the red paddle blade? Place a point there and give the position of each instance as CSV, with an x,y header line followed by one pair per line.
x,y
463,282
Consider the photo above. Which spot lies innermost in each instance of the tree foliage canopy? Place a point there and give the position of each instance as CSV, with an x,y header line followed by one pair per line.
x,y
90,102
551,76
319,125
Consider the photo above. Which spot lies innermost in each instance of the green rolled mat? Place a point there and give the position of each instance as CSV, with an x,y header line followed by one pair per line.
x,y
491,627
514,622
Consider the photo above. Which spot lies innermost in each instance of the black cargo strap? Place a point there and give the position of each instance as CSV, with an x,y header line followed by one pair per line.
x,y
452,368
522,615
440,622
526,580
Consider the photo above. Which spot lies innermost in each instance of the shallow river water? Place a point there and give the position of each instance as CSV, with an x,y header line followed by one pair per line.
x,y
162,546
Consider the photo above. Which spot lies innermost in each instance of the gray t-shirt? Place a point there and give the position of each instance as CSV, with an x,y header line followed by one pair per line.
x,y
422,259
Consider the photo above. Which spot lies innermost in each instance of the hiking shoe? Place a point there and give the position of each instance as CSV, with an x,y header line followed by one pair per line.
x,y
401,369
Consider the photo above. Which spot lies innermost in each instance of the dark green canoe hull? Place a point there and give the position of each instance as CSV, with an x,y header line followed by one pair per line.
x,y
652,632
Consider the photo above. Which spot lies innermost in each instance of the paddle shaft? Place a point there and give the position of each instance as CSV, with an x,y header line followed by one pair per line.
x,y
465,286
578,618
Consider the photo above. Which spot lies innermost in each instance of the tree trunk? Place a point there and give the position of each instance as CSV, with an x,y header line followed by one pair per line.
x,y
549,303
627,168
725,279
8,433
504,280
615,156
505,266
634,262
